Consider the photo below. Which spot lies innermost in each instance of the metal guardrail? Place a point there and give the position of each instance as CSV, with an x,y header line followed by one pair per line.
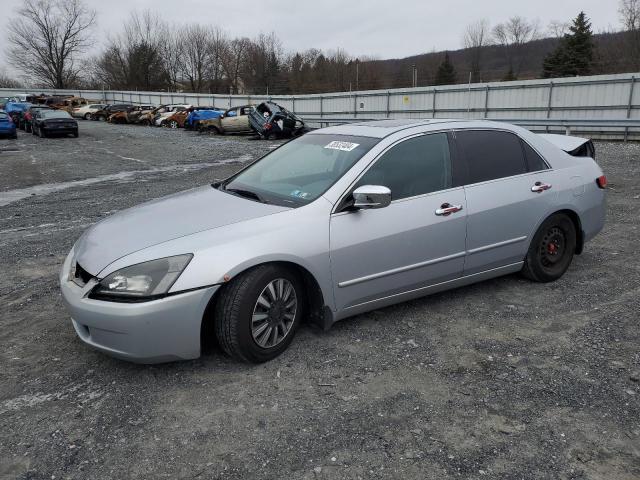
x,y
566,124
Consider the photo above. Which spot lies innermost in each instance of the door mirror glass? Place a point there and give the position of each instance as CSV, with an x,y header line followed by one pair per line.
x,y
371,196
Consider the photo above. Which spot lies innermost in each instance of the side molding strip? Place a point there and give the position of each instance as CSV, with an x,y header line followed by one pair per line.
x,y
386,273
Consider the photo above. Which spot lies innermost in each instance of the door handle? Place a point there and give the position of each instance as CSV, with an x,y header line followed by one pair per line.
x,y
540,187
447,209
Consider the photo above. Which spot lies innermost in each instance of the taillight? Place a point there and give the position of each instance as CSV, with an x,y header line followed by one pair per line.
x,y
268,126
602,181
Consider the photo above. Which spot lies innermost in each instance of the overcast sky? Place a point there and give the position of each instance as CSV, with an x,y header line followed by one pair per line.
x,y
381,28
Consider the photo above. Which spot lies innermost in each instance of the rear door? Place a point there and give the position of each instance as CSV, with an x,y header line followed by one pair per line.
x,y
409,244
509,188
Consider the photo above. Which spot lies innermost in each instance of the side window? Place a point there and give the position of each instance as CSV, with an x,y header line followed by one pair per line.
x,y
414,167
534,161
491,154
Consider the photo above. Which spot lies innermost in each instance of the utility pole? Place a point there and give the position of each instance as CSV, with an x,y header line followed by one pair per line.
x,y
414,75
357,75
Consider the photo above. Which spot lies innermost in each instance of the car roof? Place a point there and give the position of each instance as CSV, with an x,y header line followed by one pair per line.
x,y
384,128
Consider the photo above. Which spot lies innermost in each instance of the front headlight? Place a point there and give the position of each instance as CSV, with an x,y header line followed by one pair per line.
x,y
142,281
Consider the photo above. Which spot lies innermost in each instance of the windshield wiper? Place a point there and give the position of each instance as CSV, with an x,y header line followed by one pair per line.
x,y
245,193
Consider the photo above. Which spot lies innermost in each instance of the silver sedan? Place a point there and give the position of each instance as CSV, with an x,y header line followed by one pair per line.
x,y
332,224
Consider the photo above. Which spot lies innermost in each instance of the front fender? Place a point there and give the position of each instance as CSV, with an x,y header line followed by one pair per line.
x,y
299,236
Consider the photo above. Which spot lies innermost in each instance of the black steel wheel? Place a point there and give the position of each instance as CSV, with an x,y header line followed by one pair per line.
x,y
257,313
551,250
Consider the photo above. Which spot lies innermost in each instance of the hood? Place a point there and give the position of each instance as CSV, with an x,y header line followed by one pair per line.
x,y
162,220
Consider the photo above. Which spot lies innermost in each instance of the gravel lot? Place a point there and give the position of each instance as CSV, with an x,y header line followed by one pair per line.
x,y
504,379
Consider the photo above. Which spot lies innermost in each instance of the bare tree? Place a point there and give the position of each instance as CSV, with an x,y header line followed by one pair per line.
x,y
47,36
476,37
172,55
134,59
512,35
233,61
630,16
195,41
558,29
7,82
218,44
629,11
263,63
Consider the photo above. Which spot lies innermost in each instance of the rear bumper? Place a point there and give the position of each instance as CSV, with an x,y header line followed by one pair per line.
x,y
65,130
151,332
8,132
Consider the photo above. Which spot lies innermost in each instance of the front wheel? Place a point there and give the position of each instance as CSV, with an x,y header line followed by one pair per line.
x,y
551,250
258,313
87,116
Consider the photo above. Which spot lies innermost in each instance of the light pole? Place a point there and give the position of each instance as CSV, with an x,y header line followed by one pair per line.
x,y
357,74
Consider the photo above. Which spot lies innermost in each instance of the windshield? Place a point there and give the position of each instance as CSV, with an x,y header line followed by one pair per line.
x,y
300,171
55,114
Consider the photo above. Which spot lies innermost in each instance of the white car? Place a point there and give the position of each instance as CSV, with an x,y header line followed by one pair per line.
x,y
87,110
166,112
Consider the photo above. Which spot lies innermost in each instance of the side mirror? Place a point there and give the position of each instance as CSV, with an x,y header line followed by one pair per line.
x,y
371,196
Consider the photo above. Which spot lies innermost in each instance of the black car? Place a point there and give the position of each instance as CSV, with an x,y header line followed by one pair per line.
x,y
27,117
106,112
54,122
271,120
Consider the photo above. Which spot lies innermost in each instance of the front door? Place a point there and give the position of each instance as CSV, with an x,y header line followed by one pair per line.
x,y
410,244
230,120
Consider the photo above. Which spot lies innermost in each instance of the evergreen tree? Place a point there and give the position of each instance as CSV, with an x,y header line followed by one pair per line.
x,y
446,74
574,55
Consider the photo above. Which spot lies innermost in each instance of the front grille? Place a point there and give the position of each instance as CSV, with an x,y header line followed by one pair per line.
x,y
81,276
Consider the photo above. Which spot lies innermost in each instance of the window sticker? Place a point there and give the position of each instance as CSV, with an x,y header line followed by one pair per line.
x,y
299,194
344,146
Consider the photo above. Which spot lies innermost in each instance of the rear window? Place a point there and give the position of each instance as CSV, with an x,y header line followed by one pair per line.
x,y
491,154
55,114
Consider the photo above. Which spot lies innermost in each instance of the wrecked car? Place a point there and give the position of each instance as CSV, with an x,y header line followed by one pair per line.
x,y
166,111
85,111
131,116
106,112
16,111
234,120
200,114
70,104
270,120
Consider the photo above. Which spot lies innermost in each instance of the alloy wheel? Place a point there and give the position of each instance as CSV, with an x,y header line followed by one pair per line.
x,y
274,313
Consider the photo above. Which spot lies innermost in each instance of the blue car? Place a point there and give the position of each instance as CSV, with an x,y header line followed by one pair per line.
x,y
198,115
7,127
16,110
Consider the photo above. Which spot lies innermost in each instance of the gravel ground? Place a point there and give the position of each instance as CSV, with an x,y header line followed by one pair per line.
x,y
504,379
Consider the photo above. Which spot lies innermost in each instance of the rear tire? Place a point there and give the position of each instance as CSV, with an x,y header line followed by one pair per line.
x,y
551,250
240,313
87,116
